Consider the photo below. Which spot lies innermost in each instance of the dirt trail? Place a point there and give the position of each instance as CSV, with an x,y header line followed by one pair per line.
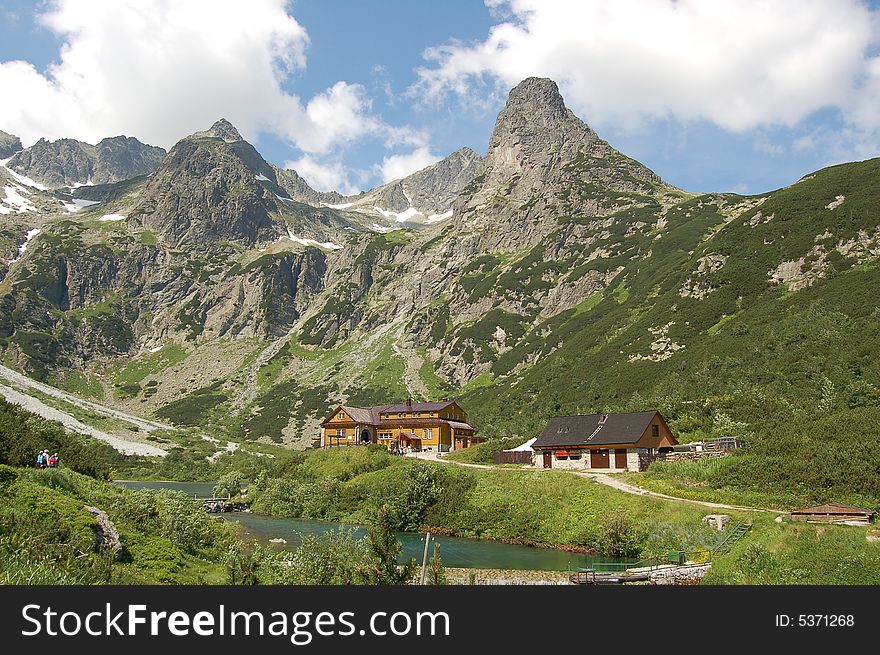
x,y
24,382
41,409
601,478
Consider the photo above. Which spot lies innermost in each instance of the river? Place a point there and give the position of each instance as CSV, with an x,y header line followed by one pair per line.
x,y
456,552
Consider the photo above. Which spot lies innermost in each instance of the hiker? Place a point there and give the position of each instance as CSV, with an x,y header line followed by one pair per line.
x,y
53,461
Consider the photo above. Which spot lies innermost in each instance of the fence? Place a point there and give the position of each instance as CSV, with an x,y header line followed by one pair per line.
x,y
646,460
512,457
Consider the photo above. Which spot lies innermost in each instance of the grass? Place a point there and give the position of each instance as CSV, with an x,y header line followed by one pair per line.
x,y
794,554
437,386
84,385
139,368
48,538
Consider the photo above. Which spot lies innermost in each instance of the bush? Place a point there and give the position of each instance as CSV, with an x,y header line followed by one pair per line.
x,y
620,535
229,484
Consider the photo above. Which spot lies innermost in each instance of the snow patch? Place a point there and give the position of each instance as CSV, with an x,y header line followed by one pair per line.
x,y
329,245
106,218
380,228
78,203
156,349
344,205
22,179
263,178
434,218
399,217
17,201
27,239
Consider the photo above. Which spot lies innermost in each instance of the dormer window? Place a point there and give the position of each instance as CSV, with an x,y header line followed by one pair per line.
x,y
655,430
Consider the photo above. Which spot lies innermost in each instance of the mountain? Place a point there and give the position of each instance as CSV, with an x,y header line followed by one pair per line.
x,y
9,145
423,197
224,293
68,162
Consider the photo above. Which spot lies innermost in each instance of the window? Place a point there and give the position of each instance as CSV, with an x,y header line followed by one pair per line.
x,y
340,433
428,433
655,430
574,454
341,416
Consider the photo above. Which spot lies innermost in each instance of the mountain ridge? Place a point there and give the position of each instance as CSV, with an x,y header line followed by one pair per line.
x,y
568,278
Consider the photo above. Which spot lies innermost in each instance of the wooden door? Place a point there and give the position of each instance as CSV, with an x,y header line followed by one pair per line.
x,y
548,459
620,458
599,459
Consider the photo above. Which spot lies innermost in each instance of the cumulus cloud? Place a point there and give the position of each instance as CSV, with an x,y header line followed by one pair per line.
x,y
162,70
324,175
739,65
396,167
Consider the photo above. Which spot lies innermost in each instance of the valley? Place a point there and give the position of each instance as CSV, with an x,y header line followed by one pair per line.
x,y
202,310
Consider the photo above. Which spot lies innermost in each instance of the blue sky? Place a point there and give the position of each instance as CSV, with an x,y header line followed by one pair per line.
x,y
742,96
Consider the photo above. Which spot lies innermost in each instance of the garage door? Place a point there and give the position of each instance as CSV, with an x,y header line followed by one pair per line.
x,y
599,459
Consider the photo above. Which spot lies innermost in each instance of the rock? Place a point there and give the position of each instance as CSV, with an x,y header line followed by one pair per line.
x,y
67,162
717,521
9,145
107,536
278,540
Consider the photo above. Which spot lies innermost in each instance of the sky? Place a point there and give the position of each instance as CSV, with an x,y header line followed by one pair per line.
x,y
713,95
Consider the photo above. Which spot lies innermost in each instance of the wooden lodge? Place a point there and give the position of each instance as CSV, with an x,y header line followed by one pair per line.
x,y
431,426
834,513
604,443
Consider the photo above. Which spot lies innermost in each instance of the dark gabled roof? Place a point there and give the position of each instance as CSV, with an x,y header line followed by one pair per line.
x,y
834,509
417,407
585,430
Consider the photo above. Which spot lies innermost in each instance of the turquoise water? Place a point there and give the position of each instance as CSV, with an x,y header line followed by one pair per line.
x,y
456,552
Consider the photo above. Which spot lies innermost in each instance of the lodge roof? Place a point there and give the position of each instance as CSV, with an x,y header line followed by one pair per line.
x,y
373,415
585,430
416,407
835,509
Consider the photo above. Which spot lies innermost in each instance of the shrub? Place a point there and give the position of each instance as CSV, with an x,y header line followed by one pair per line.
x,y
229,484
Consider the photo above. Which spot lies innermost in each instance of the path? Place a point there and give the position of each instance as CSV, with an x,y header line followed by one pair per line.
x,y
41,409
25,382
601,478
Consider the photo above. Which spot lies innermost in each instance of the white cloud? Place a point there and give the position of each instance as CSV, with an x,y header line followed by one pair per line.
x,y
739,64
321,176
396,167
162,70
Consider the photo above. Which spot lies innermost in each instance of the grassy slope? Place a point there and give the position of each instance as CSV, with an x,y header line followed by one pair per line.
x,y
758,360
558,509
48,538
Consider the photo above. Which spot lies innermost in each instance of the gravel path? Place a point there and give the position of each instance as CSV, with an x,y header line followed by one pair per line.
x,y
20,380
601,478
41,409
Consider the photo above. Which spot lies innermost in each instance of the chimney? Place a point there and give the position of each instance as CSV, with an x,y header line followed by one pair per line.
x,y
603,418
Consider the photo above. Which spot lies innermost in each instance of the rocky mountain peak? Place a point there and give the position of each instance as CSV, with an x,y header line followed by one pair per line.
x,y
535,128
222,129
536,96
9,145
544,161
68,162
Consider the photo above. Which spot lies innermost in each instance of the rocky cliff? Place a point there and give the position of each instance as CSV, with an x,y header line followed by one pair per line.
x,y
68,162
